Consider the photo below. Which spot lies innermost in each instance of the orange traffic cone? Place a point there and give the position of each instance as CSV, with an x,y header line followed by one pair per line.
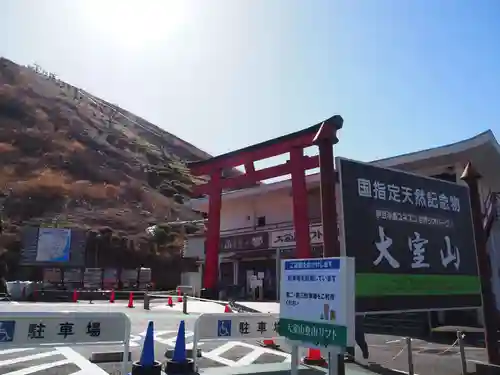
x,y
169,301
269,343
227,309
112,297
75,295
314,358
131,300
179,295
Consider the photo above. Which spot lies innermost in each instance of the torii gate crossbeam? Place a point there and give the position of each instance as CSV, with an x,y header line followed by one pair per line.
x,y
324,135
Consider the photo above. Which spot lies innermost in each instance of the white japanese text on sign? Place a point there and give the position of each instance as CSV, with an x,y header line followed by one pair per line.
x,y
403,194
417,245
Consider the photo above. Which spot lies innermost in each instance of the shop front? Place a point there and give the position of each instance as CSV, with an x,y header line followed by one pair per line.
x,y
250,262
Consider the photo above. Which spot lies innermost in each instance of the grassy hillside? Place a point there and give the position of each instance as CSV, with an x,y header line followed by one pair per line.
x,y
70,157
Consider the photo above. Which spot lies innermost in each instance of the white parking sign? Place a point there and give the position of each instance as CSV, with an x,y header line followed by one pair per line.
x,y
236,326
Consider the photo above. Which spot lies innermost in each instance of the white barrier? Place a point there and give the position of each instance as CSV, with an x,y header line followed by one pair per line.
x,y
225,326
48,329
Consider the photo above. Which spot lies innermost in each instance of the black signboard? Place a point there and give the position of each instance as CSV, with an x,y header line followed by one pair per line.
x,y
412,237
246,241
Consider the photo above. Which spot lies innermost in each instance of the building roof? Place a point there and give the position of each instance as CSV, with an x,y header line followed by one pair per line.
x,y
485,140
482,139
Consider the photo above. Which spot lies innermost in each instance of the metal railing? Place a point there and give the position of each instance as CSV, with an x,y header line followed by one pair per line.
x,y
416,351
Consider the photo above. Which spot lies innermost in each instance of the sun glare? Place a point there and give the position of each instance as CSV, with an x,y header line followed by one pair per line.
x,y
135,22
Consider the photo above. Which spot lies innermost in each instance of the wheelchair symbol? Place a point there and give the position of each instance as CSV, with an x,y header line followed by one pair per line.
x,y
224,328
7,331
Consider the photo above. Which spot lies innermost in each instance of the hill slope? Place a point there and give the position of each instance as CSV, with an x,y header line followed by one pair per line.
x,y
68,155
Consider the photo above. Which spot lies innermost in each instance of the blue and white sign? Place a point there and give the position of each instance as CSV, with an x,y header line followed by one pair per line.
x,y
53,245
317,301
224,328
27,329
7,330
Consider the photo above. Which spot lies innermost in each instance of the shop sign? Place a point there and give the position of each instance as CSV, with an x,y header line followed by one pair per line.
x,y
247,241
286,237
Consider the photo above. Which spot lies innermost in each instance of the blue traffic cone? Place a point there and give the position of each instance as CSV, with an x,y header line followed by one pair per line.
x,y
147,364
148,349
180,344
180,364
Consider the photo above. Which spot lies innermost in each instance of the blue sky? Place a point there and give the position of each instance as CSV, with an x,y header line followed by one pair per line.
x,y
405,75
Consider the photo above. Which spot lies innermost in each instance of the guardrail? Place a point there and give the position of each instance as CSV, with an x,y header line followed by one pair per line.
x,y
173,298
409,346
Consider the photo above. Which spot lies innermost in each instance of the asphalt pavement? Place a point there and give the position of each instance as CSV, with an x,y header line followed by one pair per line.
x,y
386,352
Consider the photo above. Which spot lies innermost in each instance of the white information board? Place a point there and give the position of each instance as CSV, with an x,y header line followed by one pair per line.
x,y
317,301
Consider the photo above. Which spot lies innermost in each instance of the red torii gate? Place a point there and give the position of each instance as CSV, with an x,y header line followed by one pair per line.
x,y
324,135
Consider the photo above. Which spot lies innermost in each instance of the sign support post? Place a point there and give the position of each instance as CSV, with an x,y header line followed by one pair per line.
x,y
324,139
471,178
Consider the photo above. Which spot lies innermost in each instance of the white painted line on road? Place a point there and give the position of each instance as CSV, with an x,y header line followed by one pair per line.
x,y
8,362
393,341
170,341
85,365
401,372
16,350
42,367
287,357
476,361
250,358
214,355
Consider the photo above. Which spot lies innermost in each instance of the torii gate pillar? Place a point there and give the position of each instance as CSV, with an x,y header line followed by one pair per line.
x,y
324,135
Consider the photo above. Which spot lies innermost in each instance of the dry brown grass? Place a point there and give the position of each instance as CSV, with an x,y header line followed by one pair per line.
x,y
155,202
57,181
73,146
7,175
99,191
57,157
6,147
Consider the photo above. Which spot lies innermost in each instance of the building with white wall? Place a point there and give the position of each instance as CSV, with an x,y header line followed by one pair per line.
x,y
257,223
